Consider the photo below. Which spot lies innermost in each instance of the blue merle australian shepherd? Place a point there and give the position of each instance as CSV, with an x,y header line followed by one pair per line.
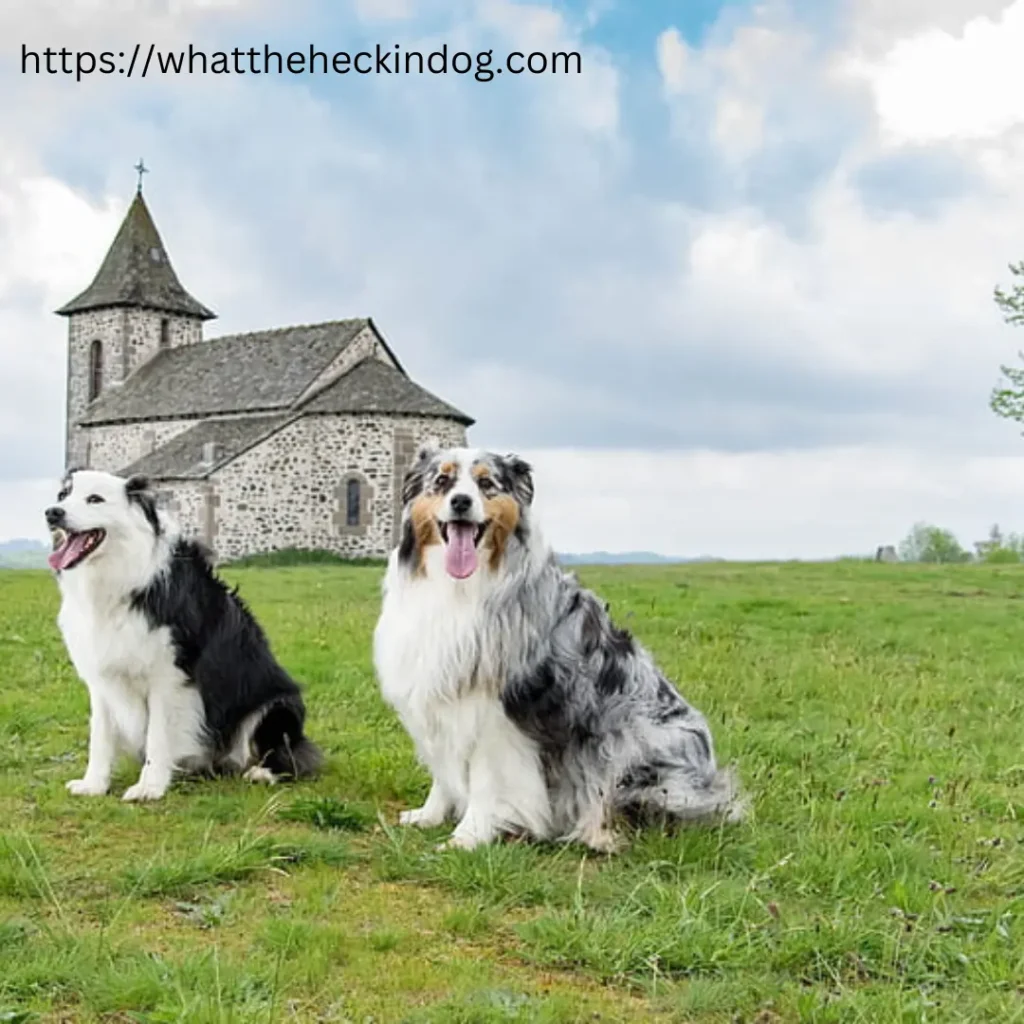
x,y
534,714
179,673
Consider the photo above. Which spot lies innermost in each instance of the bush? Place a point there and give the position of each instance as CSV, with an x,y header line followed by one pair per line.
x,y
1001,556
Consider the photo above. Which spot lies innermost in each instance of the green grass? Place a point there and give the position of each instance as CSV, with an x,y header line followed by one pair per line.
x,y
875,713
290,557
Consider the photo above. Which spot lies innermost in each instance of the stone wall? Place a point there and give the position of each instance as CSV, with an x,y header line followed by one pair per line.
x,y
291,490
143,335
118,445
129,338
106,326
191,505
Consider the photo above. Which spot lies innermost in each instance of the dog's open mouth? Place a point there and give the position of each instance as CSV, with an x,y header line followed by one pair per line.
x,y
461,539
70,548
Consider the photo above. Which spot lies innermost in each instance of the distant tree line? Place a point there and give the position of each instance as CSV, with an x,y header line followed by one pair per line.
x,y
926,543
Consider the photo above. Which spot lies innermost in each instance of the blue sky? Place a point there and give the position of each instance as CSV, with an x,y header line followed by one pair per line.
x,y
751,245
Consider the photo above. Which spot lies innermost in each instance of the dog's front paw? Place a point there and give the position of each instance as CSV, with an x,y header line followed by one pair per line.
x,y
258,774
86,787
464,839
143,790
421,818
603,841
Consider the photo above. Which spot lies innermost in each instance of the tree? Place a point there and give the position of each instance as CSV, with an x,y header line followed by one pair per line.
x,y
927,543
1007,399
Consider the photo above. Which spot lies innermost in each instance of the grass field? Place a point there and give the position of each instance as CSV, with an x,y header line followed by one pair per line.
x,y
875,713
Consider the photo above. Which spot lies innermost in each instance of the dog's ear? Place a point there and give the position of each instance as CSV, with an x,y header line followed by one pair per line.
x,y
66,483
518,478
138,490
415,477
426,453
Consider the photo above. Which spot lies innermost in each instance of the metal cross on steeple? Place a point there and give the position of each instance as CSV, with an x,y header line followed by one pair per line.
x,y
142,169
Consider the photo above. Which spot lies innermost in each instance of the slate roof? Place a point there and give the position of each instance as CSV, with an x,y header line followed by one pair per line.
x,y
373,386
369,387
137,272
262,371
181,458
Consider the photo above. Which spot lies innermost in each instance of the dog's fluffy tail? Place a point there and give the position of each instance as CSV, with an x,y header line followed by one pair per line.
x,y
281,745
299,761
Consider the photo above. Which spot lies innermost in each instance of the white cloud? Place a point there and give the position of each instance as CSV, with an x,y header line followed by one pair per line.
x,y
883,297
57,239
384,10
750,85
588,100
739,127
61,236
873,25
86,24
938,84
673,61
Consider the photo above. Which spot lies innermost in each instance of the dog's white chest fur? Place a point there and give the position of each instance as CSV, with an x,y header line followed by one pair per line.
x,y
427,652
429,630
112,643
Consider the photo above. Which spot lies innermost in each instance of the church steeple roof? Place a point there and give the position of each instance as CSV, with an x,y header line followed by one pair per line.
x,y
137,272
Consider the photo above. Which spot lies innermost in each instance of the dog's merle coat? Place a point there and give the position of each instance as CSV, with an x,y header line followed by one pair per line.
x,y
533,711
179,672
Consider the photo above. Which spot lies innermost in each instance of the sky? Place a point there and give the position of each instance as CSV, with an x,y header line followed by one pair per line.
x,y
729,288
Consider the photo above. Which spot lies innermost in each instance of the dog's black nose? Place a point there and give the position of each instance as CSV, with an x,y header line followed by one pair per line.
x,y
54,516
461,504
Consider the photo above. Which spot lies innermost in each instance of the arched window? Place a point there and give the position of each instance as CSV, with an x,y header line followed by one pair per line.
x,y
352,503
352,508
165,333
95,369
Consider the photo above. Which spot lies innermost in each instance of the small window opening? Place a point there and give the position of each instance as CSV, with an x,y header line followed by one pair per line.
x,y
352,503
95,370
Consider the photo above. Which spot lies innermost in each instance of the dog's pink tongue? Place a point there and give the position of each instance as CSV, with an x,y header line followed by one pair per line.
x,y
460,554
67,552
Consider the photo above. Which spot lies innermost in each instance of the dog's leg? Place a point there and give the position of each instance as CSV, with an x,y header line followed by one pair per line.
x,y
437,809
158,768
592,828
480,823
507,791
171,731
478,827
102,752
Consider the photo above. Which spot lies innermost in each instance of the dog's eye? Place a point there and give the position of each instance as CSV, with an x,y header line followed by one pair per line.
x,y
441,481
94,499
486,484
63,494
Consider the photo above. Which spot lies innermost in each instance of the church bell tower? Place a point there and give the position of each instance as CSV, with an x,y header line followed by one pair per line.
x,y
134,311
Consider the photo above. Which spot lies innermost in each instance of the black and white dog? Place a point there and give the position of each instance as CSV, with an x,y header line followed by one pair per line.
x,y
533,713
179,672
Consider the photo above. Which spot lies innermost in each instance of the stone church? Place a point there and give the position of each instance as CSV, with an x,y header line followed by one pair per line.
x,y
295,437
